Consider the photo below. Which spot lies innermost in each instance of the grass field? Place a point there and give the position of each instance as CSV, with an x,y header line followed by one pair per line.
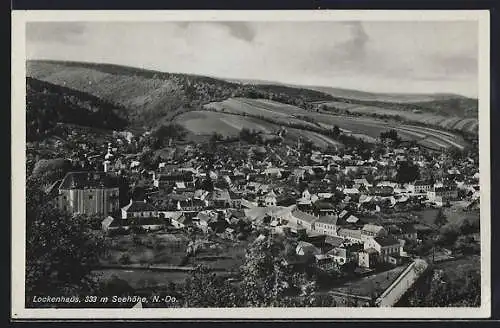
x,y
461,264
153,248
142,278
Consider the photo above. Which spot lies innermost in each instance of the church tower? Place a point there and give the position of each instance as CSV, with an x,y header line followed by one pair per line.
x,y
108,159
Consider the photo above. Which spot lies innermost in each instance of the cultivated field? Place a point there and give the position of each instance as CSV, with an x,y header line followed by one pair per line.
x,y
206,123
447,122
226,124
429,137
363,127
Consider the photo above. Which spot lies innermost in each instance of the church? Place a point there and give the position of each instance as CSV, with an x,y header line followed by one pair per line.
x,y
90,192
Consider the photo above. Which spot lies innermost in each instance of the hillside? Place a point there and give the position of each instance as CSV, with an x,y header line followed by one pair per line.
x,y
240,111
154,97
431,101
151,99
48,104
386,97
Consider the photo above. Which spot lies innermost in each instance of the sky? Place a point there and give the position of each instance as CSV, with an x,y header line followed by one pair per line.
x,y
392,57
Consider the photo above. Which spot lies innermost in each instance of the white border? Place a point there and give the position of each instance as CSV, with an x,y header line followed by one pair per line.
x,y
19,18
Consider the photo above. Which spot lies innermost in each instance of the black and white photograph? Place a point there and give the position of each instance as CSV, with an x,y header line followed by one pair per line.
x,y
262,164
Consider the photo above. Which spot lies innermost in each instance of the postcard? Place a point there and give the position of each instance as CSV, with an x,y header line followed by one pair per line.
x,y
250,164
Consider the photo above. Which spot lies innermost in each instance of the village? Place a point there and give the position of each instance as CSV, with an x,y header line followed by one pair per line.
x,y
346,212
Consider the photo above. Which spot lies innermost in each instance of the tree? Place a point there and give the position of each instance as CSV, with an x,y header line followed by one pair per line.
x,y
335,133
267,280
391,135
161,136
440,218
407,172
204,288
61,249
445,289
208,184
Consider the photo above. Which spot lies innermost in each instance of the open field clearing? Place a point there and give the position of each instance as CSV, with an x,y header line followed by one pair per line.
x,y
206,123
255,107
273,105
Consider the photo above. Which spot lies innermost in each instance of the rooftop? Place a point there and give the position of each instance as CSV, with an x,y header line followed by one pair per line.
x,y
304,216
329,219
386,241
372,228
137,206
91,179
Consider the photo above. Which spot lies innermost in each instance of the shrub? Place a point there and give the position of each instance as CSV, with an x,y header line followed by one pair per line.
x,y
125,259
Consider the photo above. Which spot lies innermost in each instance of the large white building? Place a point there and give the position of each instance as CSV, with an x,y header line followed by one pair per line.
x,y
88,193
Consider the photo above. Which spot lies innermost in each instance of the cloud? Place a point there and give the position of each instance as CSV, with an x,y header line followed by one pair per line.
x,y
60,32
354,48
239,30
375,56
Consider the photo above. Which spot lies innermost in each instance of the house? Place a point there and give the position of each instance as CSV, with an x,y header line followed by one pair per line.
x,y
334,241
138,209
306,249
326,224
306,195
443,194
368,258
325,262
222,198
166,181
299,174
324,207
383,191
200,194
339,255
106,223
351,235
180,220
351,191
236,216
407,231
270,199
88,193
372,230
173,217
147,223
230,233
273,172
386,247
235,199
303,219
352,219
202,221
361,182
420,187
